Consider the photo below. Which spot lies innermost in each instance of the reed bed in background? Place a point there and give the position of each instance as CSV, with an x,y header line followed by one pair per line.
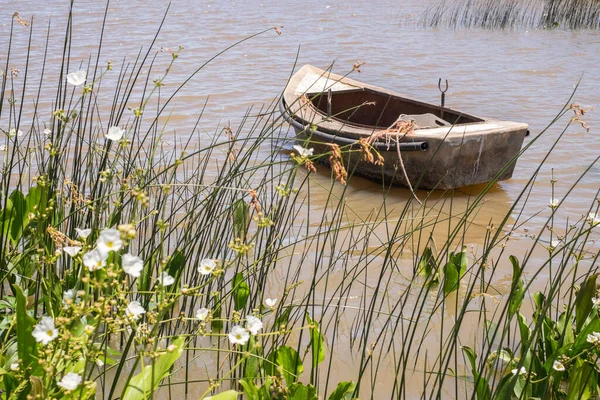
x,y
135,272
512,14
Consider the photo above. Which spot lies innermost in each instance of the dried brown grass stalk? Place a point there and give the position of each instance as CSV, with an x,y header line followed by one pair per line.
x,y
336,162
367,152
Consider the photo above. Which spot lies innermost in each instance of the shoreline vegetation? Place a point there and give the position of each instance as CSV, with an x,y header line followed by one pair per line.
x,y
131,270
513,14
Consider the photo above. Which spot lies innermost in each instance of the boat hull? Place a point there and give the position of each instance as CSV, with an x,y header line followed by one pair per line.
x,y
444,157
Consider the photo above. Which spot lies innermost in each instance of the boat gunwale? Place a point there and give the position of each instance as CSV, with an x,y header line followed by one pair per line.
x,y
307,111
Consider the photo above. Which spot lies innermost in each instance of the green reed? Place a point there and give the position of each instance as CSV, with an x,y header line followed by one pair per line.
x,y
214,241
513,14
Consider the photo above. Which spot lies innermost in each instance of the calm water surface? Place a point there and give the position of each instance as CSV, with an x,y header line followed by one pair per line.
x,y
521,75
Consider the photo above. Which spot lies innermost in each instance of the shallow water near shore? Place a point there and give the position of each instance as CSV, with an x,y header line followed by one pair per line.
x,y
519,75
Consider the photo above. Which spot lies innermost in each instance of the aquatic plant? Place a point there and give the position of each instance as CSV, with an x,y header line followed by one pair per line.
x,y
133,270
512,14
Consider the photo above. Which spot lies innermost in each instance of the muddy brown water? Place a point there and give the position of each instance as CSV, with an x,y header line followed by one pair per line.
x,y
520,75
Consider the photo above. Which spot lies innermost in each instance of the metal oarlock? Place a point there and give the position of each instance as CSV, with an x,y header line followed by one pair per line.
x,y
443,99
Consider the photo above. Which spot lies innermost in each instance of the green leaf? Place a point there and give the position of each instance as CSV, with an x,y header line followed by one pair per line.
x,y
461,261
176,264
582,381
241,212
6,216
250,389
317,342
298,391
483,388
343,391
146,382
228,395
284,361
252,363
451,278
583,301
517,289
216,323
19,217
241,291
34,198
26,344
427,266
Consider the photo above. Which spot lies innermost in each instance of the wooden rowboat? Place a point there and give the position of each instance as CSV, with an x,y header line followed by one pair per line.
x,y
441,149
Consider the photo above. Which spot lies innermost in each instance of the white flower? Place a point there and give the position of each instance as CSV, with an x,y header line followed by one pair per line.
x,y
554,203
207,266
302,152
165,279
134,310
68,295
270,302
47,132
593,219
45,332
253,324
114,133
593,338
558,366
238,335
109,240
72,250
132,265
14,366
99,362
3,147
202,313
95,259
13,132
70,381
595,301
555,243
521,371
83,233
77,78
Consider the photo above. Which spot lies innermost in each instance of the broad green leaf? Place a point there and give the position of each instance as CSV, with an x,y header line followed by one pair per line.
x,y
343,391
6,217
461,261
241,291
525,332
298,391
241,212
427,266
34,198
582,381
482,387
252,363
451,278
216,323
228,395
19,215
517,291
176,264
146,382
250,389
284,361
26,343
583,301
317,342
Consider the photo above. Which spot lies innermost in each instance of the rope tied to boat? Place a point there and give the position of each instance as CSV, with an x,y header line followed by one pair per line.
x,y
402,127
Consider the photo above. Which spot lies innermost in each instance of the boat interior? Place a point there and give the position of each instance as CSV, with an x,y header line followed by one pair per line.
x,y
371,108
